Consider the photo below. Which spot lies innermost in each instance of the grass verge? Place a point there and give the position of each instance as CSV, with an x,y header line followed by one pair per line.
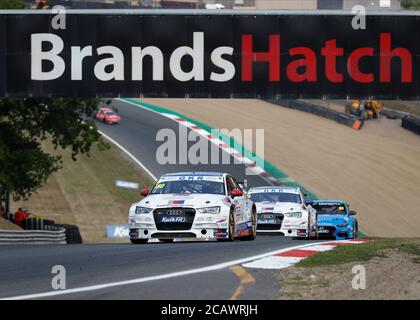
x,y
83,192
363,252
7,225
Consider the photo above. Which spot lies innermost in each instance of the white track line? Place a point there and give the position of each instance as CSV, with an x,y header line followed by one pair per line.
x,y
155,278
141,165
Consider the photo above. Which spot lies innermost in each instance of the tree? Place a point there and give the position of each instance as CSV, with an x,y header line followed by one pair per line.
x,y
25,123
411,4
12,4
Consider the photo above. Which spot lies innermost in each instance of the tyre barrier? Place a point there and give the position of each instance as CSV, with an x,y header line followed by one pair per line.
x,y
342,118
33,236
73,235
411,123
71,232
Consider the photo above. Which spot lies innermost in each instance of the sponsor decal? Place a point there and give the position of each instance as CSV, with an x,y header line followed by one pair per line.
x,y
172,219
127,185
118,231
267,221
175,203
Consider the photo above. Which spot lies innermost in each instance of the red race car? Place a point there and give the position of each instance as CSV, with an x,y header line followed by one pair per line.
x,y
107,115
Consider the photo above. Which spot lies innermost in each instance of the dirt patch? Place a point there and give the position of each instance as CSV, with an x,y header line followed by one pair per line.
x,y
392,275
376,169
7,225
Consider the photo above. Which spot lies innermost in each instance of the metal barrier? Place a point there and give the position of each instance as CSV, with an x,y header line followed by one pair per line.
x,y
33,237
394,114
342,118
37,226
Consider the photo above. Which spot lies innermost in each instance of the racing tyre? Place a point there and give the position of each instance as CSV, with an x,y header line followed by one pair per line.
x,y
73,235
167,240
232,228
138,241
253,235
356,232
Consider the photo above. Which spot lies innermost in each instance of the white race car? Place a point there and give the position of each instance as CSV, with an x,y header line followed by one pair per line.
x,y
283,210
202,205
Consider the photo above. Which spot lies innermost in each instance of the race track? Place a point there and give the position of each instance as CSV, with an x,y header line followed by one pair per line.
x,y
27,270
376,169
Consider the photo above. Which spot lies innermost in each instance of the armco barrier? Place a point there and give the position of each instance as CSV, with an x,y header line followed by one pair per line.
x,y
394,114
412,124
33,237
72,232
342,118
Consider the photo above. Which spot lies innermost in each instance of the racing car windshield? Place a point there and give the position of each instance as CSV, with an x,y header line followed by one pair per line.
x,y
329,208
188,187
276,197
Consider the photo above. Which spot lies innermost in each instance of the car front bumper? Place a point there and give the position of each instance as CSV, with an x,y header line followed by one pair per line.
x,y
298,230
203,227
332,231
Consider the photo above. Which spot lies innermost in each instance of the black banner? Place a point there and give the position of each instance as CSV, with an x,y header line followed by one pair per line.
x,y
137,54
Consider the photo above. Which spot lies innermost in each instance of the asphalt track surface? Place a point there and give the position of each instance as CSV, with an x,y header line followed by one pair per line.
x,y
27,270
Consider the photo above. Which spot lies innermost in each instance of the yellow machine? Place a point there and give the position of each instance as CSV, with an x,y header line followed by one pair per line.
x,y
365,109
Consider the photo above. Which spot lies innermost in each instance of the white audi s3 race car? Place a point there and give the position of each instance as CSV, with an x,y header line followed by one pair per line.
x,y
283,210
201,205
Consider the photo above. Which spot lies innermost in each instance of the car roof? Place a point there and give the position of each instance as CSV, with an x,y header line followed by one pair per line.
x,y
280,188
330,201
106,109
181,174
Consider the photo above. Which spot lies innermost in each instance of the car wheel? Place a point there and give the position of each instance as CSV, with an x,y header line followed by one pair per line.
x,y
231,227
138,241
167,240
316,233
253,235
355,231
308,237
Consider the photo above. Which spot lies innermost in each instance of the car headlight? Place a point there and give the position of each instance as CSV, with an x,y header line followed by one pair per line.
x,y
293,214
343,225
143,210
209,210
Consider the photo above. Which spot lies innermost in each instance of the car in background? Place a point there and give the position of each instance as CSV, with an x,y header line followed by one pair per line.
x,y
106,115
199,205
335,219
283,210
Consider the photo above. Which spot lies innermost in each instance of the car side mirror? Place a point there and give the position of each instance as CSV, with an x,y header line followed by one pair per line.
x,y
236,193
144,192
352,213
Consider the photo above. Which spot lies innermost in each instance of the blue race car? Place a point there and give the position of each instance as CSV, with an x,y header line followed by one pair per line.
x,y
335,220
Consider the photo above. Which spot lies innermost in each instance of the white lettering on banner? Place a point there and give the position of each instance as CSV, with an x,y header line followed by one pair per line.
x,y
111,67
38,56
197,55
